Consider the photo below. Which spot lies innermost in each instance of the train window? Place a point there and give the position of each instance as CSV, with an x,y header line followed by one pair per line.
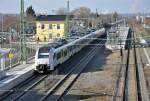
x,y
78,43
70,48
54,56
58,55
65,53
44,50
74,47
43,56
87,40
82,42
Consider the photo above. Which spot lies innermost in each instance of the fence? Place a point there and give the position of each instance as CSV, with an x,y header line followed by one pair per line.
x,y
9,57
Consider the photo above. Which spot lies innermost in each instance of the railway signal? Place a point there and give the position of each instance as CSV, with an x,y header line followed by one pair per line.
x,y
10,56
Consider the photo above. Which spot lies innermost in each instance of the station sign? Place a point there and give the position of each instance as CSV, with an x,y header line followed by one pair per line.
x,y
10,55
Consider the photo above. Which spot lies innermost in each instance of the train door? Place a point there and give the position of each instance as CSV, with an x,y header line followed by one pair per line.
x,y
62,56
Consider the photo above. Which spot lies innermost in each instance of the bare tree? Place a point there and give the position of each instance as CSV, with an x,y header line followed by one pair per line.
x,y
82,12
115,16
61,11
11,21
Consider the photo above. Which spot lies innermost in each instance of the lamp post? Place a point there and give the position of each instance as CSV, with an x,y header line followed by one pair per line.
x,y
22,35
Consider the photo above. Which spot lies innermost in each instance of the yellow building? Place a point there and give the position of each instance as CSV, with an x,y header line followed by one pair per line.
x,y
50,27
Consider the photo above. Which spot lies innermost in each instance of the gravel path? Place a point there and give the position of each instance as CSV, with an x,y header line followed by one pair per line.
x,y
98,81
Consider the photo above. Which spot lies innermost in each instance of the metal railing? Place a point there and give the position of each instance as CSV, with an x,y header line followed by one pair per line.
x,y
10,57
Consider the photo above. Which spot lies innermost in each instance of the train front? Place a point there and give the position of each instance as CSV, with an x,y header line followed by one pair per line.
x,y
42,59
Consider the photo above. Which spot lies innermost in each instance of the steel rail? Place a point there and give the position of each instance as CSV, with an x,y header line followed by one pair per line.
x,y
56,87
11,91
29,88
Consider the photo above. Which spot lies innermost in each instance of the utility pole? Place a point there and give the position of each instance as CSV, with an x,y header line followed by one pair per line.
x,y
67,18
97,19
2,23
2,30
22,36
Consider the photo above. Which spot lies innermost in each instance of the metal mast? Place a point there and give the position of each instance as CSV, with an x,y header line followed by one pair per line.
x,y
2,23
67,18
22,36
2,31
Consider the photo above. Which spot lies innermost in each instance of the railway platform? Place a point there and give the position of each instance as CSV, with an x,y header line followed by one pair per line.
x,y
16,75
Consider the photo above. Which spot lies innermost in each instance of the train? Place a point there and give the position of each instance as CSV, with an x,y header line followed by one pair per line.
x,y
47,57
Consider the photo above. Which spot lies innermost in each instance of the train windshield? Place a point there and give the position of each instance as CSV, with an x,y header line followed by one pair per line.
x,y
44,52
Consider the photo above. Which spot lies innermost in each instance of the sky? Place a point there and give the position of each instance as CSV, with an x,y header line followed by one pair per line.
x,y
103,6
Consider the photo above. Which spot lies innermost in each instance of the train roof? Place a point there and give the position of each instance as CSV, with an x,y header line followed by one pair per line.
x,y
59,48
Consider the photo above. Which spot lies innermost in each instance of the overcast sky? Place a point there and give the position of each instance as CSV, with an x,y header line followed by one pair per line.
x,y
45,6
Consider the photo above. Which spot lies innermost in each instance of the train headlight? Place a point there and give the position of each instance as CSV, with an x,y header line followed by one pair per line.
x,y
37,64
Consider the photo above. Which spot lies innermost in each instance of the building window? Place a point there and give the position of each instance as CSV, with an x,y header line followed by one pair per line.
x,y
42,27
62,27
58,35
50,26
50,36
58,26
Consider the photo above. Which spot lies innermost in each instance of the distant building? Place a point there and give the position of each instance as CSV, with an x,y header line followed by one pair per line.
x,y
143,20
138,19
50,27
147,20
31,25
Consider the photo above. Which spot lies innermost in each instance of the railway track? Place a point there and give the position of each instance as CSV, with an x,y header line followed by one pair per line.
x,y
8,93
144,78
145,74
26,90
28,86
134,85
148,85
58,91
22,88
